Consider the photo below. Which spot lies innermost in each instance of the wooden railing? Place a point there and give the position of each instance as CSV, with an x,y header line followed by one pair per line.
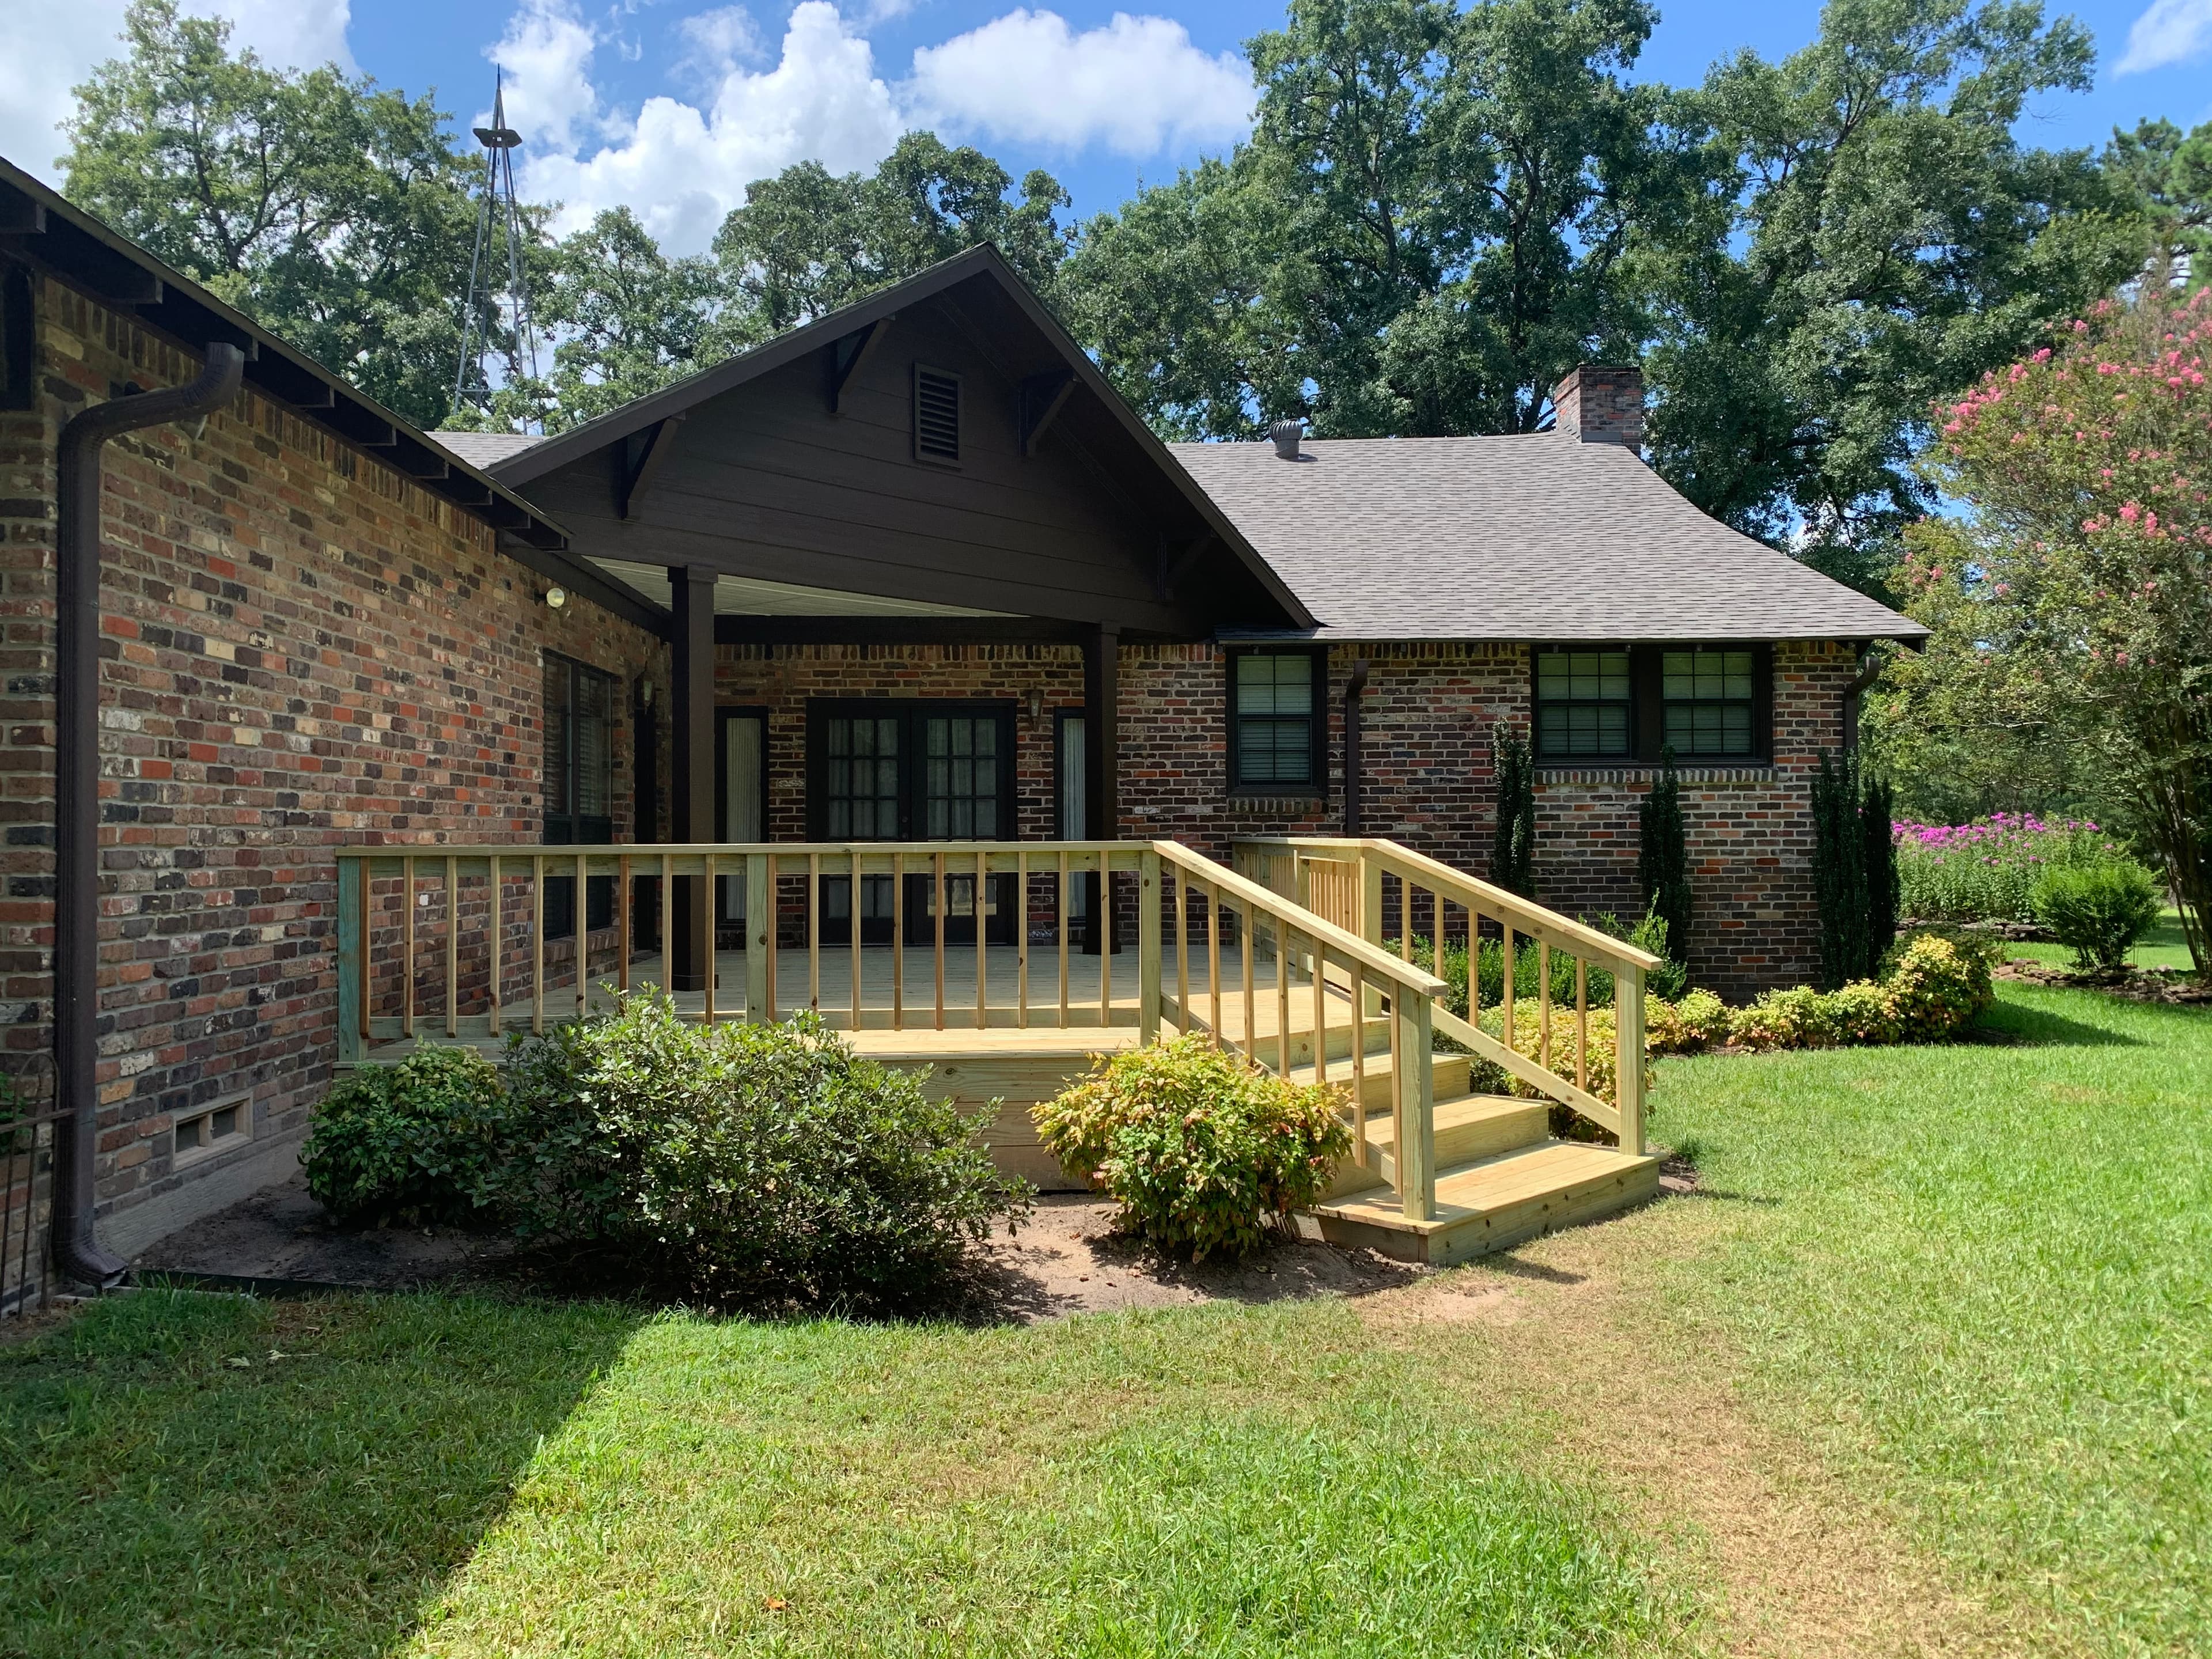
x,y
1377,889
453,943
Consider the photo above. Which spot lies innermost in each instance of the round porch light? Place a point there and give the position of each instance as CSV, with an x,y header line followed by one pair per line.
x,y
556,597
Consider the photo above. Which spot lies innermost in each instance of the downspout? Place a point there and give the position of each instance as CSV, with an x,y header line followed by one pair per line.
x,y
1357,684
1871,663
76,786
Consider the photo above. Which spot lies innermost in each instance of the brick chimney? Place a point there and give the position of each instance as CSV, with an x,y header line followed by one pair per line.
x,y
1597,404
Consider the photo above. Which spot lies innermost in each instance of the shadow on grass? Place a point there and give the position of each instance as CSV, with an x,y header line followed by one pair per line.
x,y
187,1474
2018,1023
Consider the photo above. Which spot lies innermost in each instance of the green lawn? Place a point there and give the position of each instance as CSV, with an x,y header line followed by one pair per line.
x,y
1982,1277
2162,947
1978,1278
1223,1480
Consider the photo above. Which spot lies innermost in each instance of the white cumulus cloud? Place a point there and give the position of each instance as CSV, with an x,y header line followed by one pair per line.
x,y
1138,85
53,48
544,58
682,167
2169,32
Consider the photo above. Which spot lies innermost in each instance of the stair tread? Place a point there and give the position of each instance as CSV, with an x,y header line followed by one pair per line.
x,y
1467,1191
1452,1113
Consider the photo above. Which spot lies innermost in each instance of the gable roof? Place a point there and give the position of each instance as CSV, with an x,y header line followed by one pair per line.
x,y
535,458
1536,537
42,226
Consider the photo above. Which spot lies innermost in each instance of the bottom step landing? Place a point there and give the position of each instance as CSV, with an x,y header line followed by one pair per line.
x,y
1492,1203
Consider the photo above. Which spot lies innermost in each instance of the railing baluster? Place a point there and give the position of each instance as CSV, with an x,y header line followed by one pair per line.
x,y
1213,958
1416,1091
898,941
1105,939
1628,1058
1182,951
352,961
1397,1098
1359,1065
1437,952
407,979
1582,1023
452,947
1505,1001
623,924
772,937
936,868
1406,919
858,878
1022,940
583,941
814,932
1248,936
1148,947
537,942
706,932
982,941
1320,1013
1282,936
367,946
667,908
1544,1004
1062,893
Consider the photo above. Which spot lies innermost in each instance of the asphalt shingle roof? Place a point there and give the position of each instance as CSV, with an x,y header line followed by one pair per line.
x,y
487,449
1537,537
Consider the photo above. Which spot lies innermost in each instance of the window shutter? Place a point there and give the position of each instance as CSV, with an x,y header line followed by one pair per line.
x,y
936,415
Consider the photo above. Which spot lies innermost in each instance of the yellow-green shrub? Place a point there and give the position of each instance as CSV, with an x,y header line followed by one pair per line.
x,y
1935,991
1202,1150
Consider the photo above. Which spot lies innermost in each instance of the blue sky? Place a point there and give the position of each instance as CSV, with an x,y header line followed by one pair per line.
x,y
672,105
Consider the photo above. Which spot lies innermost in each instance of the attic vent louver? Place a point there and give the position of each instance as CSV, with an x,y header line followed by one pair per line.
x,y
936,415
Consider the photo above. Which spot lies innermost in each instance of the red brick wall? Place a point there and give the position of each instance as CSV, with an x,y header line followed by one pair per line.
x,y
301,649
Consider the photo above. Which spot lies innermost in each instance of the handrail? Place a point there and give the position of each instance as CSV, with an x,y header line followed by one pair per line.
x,y
1474,894
1372,857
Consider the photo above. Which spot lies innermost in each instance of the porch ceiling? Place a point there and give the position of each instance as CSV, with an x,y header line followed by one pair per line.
x,y
748,596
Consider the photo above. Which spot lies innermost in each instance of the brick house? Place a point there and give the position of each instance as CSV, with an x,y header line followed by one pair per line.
x,y
912,571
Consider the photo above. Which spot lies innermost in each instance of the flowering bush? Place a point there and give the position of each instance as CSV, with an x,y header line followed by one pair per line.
x,y
1203,1149
1987,870
1935,991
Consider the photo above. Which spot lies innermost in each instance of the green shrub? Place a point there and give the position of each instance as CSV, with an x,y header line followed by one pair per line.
x,y
758,1164
1202,1150
428,1140
1691,1025
1935,991
2097,911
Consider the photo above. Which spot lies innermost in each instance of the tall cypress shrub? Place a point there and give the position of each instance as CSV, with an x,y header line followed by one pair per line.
x,y
1662,859
1513,858
1839,874
1878,857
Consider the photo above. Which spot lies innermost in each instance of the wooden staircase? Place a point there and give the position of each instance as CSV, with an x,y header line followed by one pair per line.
x,y
1501,1176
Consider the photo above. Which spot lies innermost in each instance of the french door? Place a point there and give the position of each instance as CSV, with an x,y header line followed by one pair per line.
x,y
913,769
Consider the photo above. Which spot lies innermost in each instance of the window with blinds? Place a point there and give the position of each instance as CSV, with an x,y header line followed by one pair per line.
x,y
1275,721
1632,703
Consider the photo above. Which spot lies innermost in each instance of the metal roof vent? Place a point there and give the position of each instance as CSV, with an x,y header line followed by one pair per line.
x,y
1287,434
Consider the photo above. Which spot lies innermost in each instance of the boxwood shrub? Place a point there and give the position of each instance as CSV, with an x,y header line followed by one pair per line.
x,y
1203,1150
425,1140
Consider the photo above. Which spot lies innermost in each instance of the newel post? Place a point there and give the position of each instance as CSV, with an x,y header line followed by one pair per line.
x,y
1417,1145
1628,1058
1148,947
351,950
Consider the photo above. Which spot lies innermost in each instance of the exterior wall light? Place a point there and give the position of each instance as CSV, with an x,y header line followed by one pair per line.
x,y
556,597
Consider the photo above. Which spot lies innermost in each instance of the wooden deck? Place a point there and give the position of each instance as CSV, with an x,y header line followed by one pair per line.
x,y
1291,965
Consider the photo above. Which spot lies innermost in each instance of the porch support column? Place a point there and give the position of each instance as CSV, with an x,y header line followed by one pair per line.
x,y
1102,753
691,792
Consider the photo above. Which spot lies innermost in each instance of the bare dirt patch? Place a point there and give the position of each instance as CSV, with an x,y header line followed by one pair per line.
x,y
1570,1325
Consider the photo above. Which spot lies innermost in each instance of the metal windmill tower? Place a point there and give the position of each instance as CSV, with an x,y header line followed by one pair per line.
x,y
497,215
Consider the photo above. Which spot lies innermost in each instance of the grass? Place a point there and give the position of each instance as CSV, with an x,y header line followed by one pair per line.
x,y
453,1477
2162,947
1971,1285
1980,1277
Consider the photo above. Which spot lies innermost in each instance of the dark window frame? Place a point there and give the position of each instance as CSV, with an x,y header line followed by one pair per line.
x,y
1315,784
1646,704
959,415
1632,705
910,711
723,713
567,827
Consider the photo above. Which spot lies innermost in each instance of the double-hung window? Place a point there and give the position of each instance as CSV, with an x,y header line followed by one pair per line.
x,y
1275,722
1629,703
